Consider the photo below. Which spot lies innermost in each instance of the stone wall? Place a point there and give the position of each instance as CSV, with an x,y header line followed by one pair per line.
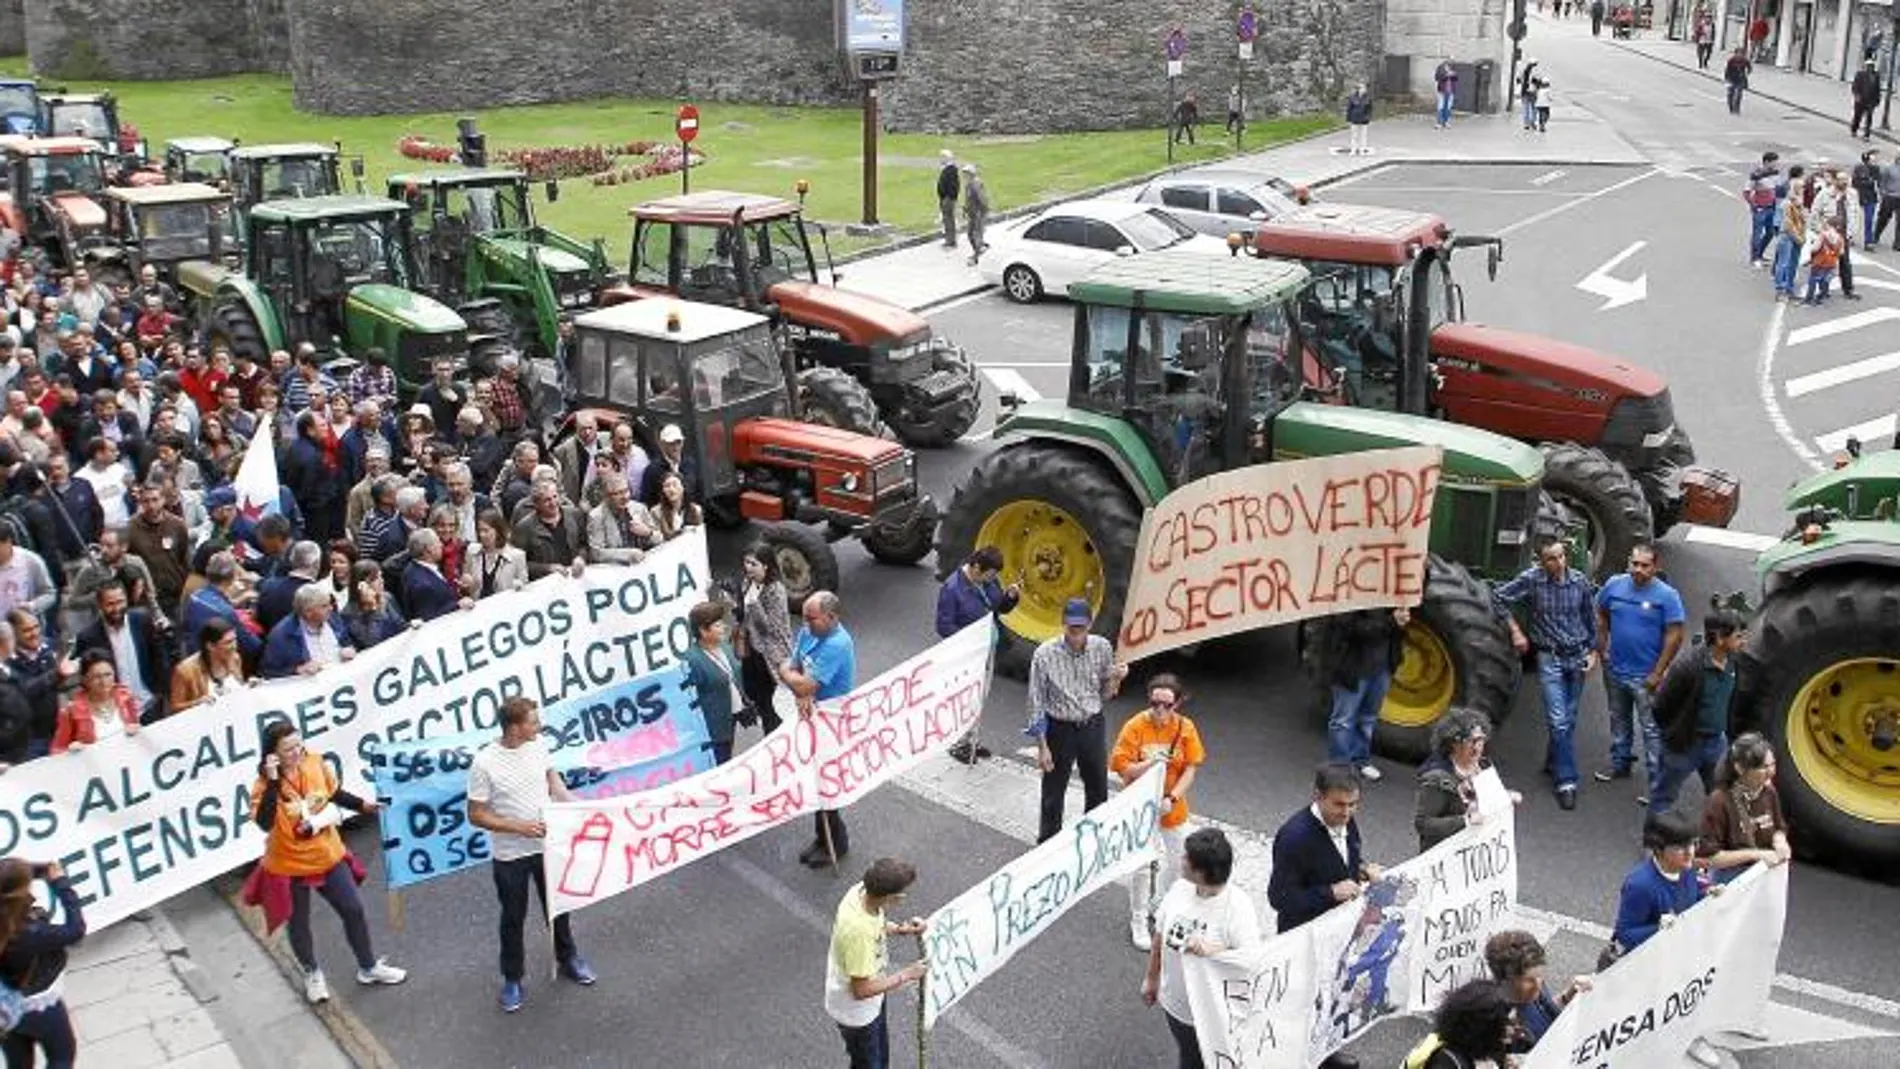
x,y
1465,31
97,40
12,28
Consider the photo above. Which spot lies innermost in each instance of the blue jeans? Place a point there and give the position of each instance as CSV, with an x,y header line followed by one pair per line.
x,y
50,1031
1735,97
1787,263
868,1047
1867,214
1562,688
1761,232
1355,715
1530,112
1632,708
1819,279
1702,759
1444,108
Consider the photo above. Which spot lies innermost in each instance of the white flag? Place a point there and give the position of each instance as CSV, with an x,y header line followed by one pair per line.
x,y
256,482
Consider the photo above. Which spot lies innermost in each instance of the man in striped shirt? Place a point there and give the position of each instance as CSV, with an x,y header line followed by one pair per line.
x,y
1070,676
1560,609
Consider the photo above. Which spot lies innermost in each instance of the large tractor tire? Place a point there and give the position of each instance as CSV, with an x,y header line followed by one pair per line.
x,y
1826,692
1067,528
1456,654
1602,494
928,430
233,326
806,562
904,544
831,398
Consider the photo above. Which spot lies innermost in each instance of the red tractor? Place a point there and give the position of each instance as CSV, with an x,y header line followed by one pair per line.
x,y
53,201
1386,321
755,252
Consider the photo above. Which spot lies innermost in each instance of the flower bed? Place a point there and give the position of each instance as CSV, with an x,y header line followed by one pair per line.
x,y
599,164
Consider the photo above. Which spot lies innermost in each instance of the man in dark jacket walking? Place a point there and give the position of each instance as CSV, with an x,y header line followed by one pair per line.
x,y
949,187
1735,72
1692,708
1866,183
1866,90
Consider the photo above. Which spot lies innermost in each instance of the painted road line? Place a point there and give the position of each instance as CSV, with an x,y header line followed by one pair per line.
x,y
1548,177
1549,213
1874,430
1362,175
1747,541
1846,373
1876,283
1008,380
1765,389
1843,324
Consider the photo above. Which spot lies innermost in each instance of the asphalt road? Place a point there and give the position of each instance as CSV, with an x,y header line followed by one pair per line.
x,y
721,965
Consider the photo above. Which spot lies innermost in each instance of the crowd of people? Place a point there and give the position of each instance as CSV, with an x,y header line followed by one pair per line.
x,y
1816,215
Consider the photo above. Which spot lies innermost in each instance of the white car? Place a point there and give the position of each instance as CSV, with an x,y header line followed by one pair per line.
x,y
1049,251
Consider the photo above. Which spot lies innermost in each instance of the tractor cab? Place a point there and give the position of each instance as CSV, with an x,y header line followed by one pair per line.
x,y
19,106
198,159
722,248
94,116
54,184
166,225
261,173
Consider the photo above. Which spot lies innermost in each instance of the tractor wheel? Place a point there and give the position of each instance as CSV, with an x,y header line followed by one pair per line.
x,y
806,561
1456,653
942,428
1603,495
831,398
1067,527
233,327
1826,692
905,543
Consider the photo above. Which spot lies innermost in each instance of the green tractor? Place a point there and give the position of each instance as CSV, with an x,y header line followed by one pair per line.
x,y
262,173
333,271
1823,660
1183,367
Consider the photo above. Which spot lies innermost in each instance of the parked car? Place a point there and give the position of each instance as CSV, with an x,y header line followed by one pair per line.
x,y
1046,252
1219,203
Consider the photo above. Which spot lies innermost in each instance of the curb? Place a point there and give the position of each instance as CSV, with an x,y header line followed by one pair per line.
x,y
1888,136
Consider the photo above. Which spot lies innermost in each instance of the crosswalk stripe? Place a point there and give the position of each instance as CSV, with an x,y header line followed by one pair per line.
x,y
1747,541
1874,430
1009,380
1842,324
1835,376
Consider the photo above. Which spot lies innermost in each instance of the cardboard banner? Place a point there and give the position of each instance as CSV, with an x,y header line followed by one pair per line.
x,y
657,736
843,751
135,820
977,933
1416,933
1274,543
1709,972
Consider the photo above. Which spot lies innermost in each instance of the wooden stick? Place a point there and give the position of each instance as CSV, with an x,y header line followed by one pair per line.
x,y
923,1036
397,913
824,833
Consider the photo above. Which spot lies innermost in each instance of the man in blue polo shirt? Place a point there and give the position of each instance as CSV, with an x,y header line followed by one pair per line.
x,y
1639,630
823,665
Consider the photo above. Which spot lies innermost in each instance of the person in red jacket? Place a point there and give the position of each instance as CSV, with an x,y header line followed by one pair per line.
x,y
102,709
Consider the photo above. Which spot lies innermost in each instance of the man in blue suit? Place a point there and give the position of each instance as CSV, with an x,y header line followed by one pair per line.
x,y
1317,862
426,594
310,639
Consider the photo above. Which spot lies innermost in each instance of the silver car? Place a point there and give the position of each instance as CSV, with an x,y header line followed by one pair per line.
x,y
1220,203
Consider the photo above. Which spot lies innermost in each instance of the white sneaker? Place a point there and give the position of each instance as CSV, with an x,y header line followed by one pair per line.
x,y
1140,937
1371,774
315,987
381,973
1702,1054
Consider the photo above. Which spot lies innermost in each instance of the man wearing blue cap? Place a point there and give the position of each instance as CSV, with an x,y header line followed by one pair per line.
x,y
1070,677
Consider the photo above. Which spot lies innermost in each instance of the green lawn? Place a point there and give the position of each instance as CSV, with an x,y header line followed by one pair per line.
x,y
761,149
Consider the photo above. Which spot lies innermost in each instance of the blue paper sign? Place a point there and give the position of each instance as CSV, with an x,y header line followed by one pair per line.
x,y
873,25
633,737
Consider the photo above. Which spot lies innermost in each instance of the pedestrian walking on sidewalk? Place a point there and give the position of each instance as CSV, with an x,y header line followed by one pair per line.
x,y
1359,120
1161,733
823,666
1527,93
1544,102
1639,630
1203,914
976,210
973,591
1866,93
1735,72
1236,116
1445,80
1187,116
1703,35
511,783
1070,677
1559,606
855,980
1359,651
33,960
297,801
948,188
1692,708
1791,221
1889,202
1596,18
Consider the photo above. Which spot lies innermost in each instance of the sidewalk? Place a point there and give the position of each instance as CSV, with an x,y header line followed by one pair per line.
x,y
187,987
923,273
1815,94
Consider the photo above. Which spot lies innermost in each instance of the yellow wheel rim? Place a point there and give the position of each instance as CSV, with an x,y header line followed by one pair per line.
x,y
1832,726
1047,551
1424,682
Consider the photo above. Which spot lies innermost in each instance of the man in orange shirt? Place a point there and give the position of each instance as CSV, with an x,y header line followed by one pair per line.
x,y
1159,733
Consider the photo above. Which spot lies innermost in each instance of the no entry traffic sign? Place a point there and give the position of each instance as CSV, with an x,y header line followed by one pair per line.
x,y
687,122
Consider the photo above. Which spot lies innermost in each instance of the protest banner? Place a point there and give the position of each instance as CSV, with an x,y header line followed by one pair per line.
x,y
1413,934
1709,972
135,820
1274,543
977,932
425,825
844,750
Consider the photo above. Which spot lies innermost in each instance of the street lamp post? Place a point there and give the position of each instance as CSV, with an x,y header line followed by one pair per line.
x,y
1893,51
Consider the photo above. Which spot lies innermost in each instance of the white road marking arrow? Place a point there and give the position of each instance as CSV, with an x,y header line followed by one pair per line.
x,y
1616,292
